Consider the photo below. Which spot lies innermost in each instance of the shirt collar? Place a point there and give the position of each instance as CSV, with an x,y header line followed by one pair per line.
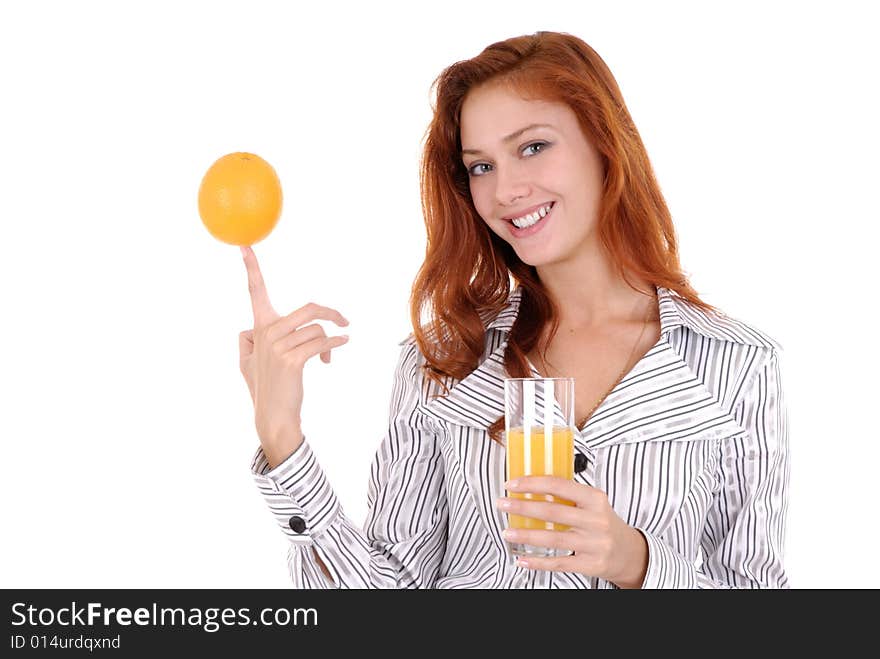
x,y
662,380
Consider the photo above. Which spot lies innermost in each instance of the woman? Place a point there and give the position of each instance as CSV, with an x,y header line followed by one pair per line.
x,y
534,172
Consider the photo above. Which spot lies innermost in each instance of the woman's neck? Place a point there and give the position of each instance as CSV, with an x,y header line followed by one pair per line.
x,y
590,294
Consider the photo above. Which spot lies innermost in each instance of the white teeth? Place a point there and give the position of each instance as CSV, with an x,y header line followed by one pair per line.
x,y
531,218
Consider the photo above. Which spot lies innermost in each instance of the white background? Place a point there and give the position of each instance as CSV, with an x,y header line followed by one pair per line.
x,y
127,430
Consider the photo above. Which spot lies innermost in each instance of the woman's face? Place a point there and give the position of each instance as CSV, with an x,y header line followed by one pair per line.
x,y
523,156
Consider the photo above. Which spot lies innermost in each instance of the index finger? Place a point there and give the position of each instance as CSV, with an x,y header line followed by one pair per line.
x,y
264,313
560,487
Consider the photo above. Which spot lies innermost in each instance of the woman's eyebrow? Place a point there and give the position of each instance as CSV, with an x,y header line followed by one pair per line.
x,y
510,137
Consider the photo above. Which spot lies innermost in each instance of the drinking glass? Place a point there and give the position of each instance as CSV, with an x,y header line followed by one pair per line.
x,y
539,433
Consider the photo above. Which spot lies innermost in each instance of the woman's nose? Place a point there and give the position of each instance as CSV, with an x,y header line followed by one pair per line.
x,y
511,184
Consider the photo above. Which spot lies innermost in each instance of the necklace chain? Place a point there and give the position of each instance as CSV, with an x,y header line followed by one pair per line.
x,y
619,377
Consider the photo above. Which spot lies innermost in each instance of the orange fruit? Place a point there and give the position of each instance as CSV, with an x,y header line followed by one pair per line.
x,y
240,199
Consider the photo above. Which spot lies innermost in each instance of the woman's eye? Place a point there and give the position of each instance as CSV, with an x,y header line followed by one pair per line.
x,y
474,170
535,145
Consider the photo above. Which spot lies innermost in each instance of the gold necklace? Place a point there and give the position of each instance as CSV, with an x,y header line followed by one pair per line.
x,y
623,371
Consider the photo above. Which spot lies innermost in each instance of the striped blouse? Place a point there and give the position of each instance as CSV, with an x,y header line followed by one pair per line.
x,y
691,448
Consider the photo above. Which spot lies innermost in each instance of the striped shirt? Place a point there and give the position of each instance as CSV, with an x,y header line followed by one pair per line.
x,y
691,448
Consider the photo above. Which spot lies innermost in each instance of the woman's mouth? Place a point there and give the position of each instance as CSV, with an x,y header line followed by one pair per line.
x,y
532,223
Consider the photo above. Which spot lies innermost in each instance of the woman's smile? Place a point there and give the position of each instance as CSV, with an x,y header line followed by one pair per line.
x,y
533,228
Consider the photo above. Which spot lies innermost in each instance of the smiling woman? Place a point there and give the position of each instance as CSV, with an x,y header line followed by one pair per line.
x,y
549,243
550,162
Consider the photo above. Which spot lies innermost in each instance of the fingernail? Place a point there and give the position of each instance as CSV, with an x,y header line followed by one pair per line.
x,y
511,484
521,562
502,503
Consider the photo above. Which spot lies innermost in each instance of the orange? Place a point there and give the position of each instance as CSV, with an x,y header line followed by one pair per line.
x,y
240,199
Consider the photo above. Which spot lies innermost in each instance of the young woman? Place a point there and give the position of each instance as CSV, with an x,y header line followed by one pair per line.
x,y
551,252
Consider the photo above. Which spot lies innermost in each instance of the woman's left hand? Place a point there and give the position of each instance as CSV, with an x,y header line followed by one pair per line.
x,y
604,545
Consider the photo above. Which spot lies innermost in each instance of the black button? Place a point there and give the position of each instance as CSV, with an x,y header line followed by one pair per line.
x,y
580,462
298,524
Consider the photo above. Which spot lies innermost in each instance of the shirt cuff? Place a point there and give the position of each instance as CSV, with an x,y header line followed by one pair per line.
x,y
297,493
666,567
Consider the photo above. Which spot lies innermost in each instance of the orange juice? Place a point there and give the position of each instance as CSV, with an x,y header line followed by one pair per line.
x,y
539,456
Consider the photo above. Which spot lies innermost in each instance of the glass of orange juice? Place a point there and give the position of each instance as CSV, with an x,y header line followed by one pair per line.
x,y
539,433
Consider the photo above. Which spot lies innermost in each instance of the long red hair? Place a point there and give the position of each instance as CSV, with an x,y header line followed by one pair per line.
x,y
467,272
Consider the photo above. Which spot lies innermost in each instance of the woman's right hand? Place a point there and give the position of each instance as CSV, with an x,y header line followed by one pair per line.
x,y
271,358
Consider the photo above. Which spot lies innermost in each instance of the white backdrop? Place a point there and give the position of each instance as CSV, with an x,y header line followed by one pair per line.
x,y
126,428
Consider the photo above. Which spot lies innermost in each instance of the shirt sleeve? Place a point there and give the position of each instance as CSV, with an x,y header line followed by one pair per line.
x,y
744,537
403,541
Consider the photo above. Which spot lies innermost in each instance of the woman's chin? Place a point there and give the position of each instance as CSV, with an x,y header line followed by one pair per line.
x,y
536,258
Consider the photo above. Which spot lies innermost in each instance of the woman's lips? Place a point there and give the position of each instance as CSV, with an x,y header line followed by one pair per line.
x,y
535,228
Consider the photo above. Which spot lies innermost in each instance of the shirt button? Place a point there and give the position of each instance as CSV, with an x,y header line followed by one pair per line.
x,y
580,462
298,524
